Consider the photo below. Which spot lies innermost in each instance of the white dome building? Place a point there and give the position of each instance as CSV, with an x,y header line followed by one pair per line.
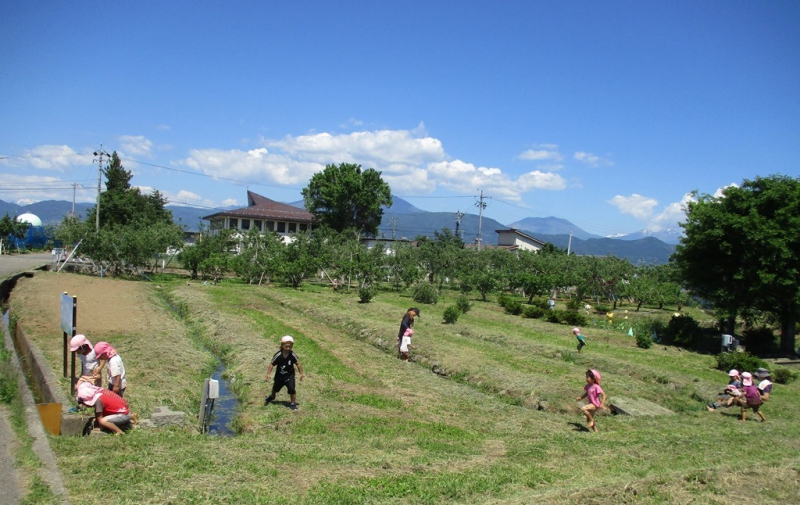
x,y
33,219
35,237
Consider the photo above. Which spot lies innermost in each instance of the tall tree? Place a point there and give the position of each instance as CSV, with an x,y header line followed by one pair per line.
x,y
742,249
133,227
345,196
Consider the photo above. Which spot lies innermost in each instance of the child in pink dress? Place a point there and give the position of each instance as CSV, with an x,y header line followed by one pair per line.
x,y
594,393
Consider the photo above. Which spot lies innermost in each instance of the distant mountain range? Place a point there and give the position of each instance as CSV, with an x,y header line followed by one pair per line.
x,y
403,220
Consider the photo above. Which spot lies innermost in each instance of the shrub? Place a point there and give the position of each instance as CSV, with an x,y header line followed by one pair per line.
x,y
552,316
513,307
463,304
760,341
684,332
366,294
644,340
503,300
742,361
541,303
575,304
573,317
426,293
451,314
783,375
647,326
533,312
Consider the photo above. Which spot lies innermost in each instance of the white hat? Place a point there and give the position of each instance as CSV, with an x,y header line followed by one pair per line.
x,y
287,338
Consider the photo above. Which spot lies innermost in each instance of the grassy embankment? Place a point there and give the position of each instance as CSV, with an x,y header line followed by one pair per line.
x,y
374,429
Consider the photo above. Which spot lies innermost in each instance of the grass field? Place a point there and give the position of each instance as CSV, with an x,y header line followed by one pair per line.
x,y
374,429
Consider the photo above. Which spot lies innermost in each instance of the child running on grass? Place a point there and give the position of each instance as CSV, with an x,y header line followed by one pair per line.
x,y
594,392
284,362
581,338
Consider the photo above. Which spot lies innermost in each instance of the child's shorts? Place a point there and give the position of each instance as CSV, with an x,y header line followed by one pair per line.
x,y
589,408
279,382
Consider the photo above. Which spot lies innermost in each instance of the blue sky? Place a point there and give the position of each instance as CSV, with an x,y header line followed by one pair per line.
x,y
603,113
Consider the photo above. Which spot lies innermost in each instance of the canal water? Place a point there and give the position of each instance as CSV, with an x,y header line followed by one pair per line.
x,y
224,407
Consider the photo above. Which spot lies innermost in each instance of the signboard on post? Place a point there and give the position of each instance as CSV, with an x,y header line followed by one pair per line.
x,y
69,312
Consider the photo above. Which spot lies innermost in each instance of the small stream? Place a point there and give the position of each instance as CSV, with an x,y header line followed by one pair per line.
x,y
224,407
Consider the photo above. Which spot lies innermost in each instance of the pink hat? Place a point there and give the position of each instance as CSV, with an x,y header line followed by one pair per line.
x,y
408,332
78,341
596,375
747,379
103,350
576,330
733,373
287,338
88,394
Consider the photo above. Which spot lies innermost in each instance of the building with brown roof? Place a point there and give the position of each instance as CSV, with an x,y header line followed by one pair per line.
x,y
263,215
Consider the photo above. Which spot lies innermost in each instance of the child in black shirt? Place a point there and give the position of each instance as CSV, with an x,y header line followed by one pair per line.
x,y
284,362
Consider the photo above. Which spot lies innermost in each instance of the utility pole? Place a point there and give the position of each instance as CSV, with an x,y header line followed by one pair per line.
x,y
393,223
459,215
100,155
74,188
569,244
481,205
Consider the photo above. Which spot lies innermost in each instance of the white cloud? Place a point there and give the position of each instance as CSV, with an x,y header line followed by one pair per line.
x,y
672,214
544,152
592,160
719,193
463,177
638,206
255,165
409,161
20,188
49,157
135,145
371,149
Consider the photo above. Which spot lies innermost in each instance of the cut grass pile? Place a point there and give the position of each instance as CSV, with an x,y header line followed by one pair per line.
x,y
374,429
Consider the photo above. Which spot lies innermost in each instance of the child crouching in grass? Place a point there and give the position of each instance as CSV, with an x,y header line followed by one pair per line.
x,y
594,392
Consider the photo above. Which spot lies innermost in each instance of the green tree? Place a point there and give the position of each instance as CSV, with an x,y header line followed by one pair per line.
x,y
192,257
532,274
302,258
440,256
134,228
260,256
122,204
11,228
742,250
403,265
345,196
486,270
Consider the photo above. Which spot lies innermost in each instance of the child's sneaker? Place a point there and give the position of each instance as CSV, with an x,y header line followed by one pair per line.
x,y
268,400
293,406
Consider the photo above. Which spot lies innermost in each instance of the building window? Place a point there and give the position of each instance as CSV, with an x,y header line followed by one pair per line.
x,y
281,227
292,227
233,223
257,224
303,227
245,224
271,225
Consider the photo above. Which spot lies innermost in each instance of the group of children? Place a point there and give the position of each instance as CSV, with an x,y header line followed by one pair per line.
x,y
742,391
111,410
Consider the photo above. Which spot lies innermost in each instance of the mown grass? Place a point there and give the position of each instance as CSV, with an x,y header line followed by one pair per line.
x,y
374,429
